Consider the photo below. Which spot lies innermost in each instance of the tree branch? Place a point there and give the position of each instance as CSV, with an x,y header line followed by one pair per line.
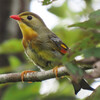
x,y
96,72
43,75
33,77
88,61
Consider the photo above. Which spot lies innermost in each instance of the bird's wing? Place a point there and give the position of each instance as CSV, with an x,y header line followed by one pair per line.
x,y
58,44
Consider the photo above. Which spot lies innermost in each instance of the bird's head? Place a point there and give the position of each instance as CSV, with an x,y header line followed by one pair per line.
x,y
29,23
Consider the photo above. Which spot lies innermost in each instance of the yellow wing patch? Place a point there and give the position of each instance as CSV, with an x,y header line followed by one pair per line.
x,y
62,45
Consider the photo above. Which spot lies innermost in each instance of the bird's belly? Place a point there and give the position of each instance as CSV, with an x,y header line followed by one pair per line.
x,y
41,61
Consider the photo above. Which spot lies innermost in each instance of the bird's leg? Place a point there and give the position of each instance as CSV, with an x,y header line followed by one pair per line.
x,y
55,70
24,73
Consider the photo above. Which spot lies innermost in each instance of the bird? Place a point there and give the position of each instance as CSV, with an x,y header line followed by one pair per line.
x,y
42,46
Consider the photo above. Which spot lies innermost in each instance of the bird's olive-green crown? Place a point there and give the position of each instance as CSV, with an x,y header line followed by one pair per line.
x,y
32,20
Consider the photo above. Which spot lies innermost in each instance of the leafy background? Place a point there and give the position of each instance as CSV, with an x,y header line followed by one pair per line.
x,y
83,37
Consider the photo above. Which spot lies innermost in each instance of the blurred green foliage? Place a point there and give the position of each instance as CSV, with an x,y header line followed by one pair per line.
x,y
57,10
82,37
11,46
46,2
14,62
21,91
77,72
92,23
92,52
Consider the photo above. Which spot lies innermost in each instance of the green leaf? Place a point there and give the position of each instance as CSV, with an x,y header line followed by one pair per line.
x,y
20,91
11,46
47,2
92,23
88,42
94,14
91,52
74,70
64,92
62,97
14,61
59,11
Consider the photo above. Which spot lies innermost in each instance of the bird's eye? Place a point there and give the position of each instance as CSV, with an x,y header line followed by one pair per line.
x,y
29,17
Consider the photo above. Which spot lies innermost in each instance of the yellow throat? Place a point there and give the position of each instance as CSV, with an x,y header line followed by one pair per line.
x,y
28,33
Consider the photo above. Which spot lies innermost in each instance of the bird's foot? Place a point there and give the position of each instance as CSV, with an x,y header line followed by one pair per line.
x,y
55,70
25,73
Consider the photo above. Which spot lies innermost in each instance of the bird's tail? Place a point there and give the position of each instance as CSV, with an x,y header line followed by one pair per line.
x,y
81,85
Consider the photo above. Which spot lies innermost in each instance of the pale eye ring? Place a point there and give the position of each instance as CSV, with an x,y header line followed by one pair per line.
x,y
29,17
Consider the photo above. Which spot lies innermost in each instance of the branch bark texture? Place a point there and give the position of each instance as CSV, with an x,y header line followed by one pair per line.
x,y
33,77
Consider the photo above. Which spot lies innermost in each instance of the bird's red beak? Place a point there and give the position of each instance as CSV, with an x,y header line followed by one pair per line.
x,y
16,17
